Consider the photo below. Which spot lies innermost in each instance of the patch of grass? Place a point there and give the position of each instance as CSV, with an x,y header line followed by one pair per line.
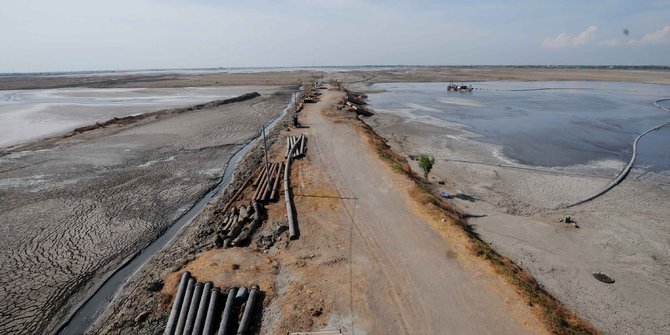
x,y
557,318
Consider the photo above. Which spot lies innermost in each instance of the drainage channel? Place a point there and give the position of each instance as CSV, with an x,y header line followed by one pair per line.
x,y
89,311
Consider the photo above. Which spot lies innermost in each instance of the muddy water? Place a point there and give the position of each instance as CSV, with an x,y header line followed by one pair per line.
x,y
549,124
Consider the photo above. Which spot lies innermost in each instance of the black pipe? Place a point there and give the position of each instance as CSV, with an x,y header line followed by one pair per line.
x,y
176,304
302,145
202,309
193,309
227,312
183,312
248,310
208,329
241,295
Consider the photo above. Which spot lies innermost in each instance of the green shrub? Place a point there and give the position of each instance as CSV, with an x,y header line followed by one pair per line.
x,y
426,164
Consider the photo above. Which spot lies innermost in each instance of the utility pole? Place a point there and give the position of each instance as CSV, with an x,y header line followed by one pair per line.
x,y
267,164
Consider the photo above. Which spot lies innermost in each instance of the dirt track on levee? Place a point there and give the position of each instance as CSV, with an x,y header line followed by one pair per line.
x,y
413,281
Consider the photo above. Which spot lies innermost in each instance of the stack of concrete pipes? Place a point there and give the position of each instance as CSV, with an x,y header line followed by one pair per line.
x,y
299,142
238,224
267,182
197,309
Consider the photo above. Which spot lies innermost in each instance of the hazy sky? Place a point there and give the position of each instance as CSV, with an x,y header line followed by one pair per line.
x,y
65,35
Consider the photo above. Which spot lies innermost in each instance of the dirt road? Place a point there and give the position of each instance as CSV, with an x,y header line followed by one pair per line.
x,y
415,282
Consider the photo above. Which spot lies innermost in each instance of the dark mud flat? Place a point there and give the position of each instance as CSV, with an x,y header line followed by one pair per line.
x,y
73,211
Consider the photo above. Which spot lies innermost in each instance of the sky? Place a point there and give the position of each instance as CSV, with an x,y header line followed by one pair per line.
x,y
79,35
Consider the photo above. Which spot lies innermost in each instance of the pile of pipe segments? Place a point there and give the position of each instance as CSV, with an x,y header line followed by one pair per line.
x,y
197,310
238,225
299,142
267,182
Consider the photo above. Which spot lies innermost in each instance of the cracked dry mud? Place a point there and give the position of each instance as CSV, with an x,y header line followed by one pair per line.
x,y
74,211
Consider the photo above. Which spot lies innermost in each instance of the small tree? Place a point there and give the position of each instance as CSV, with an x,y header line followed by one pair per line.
x,y
426,164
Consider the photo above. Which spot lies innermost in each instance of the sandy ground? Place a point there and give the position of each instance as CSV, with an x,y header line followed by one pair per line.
x,y
624,233
360,264
75,209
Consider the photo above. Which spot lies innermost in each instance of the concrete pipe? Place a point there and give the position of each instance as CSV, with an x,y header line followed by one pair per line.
x,y
295,144
236,229
298,153
243,212
248,310
288,146
292,226
241,295
248,211
275,186
183,312
176,305
227,313
193,309
225,221
260,185
246,233
257,210
264,187
303,145
268,187
210,319
260,175
202,309
230,224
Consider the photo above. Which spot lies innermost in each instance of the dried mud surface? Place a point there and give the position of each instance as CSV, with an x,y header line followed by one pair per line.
x,y
76,208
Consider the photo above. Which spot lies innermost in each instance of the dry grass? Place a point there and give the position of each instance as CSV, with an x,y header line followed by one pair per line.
x,y
557,318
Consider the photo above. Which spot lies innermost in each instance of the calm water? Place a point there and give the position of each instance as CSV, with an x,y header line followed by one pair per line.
x,y
545,123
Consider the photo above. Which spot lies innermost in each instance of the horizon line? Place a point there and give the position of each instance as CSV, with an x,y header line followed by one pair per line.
x,y
224,69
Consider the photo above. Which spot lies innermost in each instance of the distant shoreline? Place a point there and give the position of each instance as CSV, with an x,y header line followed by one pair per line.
x,y
252,69
362,74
